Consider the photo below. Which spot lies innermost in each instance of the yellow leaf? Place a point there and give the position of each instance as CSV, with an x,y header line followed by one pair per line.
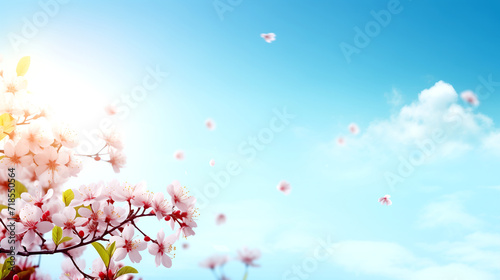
x,y
23,65
68,196
7,125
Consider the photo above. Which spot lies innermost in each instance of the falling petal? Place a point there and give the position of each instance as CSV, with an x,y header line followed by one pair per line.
x,y
470,97
210,124
221,219
179,155
269,37
110,110
385,200
284,187
354,128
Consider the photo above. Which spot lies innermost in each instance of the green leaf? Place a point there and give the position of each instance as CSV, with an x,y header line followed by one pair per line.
x,y
246,276
20,188
125,270
57,233
111,249
23,65
65,239
102,252
3,207
6,268
68,196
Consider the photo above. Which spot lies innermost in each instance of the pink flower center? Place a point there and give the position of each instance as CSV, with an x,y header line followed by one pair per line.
x,y
52,165
11,88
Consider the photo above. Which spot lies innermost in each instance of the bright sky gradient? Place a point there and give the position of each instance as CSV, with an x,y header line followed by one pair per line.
x,y
444,221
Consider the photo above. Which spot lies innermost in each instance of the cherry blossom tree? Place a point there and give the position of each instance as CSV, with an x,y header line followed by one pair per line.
x,y
41,216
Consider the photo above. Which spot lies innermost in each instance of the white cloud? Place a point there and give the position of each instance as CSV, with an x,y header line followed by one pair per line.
x,y
480,249
376,258
492,142
434,117
449,211
451,272
391,260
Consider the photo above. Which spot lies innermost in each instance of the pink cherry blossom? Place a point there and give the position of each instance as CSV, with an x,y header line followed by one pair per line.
x,y
142,197
353,128
126,245
269,37
385,200
16,155
36,196
214,261
69,270
161,206
179,155
95,215
221,219
127,192
31,224
211,162
99,269
470,97
51,161
210,124
67,220
117,160
112,139
162,249
114,215
180,197
37,137
341,141
65,136
74,165
13,83
284,187
248,257
87,194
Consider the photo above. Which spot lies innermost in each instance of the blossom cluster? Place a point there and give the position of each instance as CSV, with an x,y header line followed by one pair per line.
x,y
39,147
37,158
217,262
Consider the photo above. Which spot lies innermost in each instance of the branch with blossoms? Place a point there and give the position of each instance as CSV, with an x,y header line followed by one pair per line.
x,y
216,263
91,214
37,218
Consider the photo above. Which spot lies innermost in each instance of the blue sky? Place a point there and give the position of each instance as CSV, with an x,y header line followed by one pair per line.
x,y
443,223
